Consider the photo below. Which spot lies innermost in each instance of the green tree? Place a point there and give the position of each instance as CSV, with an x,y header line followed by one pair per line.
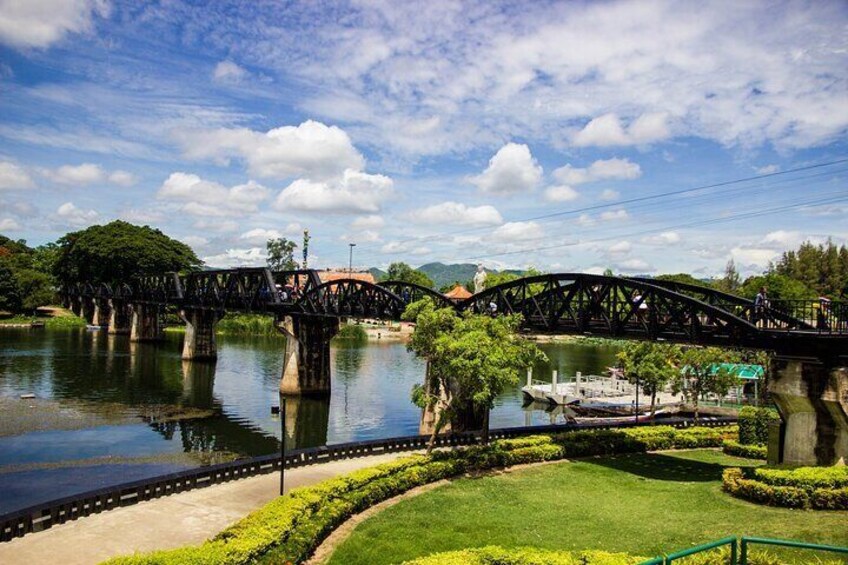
x,y
404,273
731,280
780,287
649,365
822,268
119,251
701,372
281,254
10,294
36,289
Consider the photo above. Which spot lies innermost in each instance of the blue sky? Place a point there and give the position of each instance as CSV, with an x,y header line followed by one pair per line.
x,y
513,134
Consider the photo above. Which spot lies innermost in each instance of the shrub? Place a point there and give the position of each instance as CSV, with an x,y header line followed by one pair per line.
x,y
493,555
819,488
352,332
754,425
742,450
291,527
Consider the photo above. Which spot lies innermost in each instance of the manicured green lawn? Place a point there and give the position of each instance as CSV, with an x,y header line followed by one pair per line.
x,y
643,504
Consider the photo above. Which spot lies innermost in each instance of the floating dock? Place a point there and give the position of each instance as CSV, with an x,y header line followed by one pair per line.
x,y
592,391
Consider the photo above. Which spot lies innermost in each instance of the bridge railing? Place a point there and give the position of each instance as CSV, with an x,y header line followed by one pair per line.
x,y
820,316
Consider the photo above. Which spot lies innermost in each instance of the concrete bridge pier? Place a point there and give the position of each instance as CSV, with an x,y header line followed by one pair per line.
x,y
120,317
306,367
812,397
102,312
145,325
200,341
88,308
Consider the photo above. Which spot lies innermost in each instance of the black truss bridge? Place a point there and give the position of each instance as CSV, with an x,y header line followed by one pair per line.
x,y
570,303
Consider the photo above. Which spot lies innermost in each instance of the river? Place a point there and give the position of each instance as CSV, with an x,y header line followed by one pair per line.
x,y
107,411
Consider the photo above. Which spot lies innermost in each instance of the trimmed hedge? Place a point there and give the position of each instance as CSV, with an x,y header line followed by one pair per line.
x,y
817,488
491,555
291,527
754,425
494,555
741,450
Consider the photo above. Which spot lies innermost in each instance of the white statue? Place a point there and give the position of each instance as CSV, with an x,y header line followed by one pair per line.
x,y
479,279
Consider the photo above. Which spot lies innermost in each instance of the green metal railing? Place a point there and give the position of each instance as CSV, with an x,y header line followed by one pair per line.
x,y
739,549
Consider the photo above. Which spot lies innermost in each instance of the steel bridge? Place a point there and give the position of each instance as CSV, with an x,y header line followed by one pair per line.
x,y
568,303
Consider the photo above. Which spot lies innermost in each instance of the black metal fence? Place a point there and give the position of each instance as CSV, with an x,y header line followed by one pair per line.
x,y
43,516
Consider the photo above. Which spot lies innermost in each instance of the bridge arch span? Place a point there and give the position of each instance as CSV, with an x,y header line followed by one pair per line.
x,y
354,298
410,292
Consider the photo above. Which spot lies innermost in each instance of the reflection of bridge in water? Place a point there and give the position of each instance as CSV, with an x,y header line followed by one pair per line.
x,y
810,338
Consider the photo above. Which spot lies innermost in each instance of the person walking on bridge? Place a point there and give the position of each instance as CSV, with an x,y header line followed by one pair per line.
x,y
761,304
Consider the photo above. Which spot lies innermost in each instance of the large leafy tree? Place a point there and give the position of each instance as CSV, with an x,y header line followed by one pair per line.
x,y
471,359
281,254
702,372
780,287
823,268
10,294
119,251
403,272
649,365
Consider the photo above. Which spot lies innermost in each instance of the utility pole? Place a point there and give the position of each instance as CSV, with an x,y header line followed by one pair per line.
x,y
350,263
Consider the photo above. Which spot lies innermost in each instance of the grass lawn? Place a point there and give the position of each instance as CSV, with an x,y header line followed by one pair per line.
x,y
643,504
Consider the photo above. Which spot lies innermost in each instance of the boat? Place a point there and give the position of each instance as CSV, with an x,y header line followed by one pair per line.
x,y
92,328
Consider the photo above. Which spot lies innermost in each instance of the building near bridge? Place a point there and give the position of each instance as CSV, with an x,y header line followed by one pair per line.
x,y
329,275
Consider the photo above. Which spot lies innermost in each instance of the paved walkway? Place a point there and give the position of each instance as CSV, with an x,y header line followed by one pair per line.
x,y
180,519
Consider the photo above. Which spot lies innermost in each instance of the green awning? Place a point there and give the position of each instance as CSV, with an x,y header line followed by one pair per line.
x,y
742,371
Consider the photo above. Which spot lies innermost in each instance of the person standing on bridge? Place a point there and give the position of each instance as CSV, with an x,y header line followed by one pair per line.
x,y
761,304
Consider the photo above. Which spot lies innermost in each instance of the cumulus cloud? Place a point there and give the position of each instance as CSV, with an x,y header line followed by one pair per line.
x,y
353,192
634,266
85,173
194,240
614,215
368,222
456,213
9,224
752,258
122,178
620,248
511,170
609,195
518,231
231,258
767,169
782,239
227,71
664,238
361,236
13,177
200,197
70,215
40,23
609,169
561,193
607,130
312,150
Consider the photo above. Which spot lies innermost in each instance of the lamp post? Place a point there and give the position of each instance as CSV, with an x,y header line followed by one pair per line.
x,y
281,410
350,263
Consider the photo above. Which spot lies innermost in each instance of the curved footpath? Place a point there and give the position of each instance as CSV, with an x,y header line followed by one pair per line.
x,y
173,521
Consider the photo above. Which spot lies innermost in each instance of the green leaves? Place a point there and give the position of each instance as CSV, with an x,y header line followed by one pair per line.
x,y
404,273
281,254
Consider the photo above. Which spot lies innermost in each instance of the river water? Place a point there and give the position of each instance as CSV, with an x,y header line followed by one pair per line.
x,y
108,411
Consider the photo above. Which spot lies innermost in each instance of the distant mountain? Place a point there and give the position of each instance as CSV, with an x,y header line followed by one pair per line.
x,y
378,274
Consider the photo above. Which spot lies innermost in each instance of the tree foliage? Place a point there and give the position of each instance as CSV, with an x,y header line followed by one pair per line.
x,y
26,281
731,280
780,287
822,268
702,372
10,295
281,254
404,273
649,365
471,359
119,251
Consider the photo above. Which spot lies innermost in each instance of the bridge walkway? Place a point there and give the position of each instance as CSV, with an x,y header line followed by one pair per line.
x,y
185,518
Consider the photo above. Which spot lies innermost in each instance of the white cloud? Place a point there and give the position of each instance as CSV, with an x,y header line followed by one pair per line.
x,y
664,238
782,239
86,173
585,220
207,198
142,216
122,178
13,177
633,266
609,195
518,231
606,131
260,236
194,241
8,224
612,215
609,169
312,149
511,170
423,250
561,193
394,247
76,217
354,192
752,258
362,236
40,23
368,222
620,248
227,71
767,169
231,258
456,213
